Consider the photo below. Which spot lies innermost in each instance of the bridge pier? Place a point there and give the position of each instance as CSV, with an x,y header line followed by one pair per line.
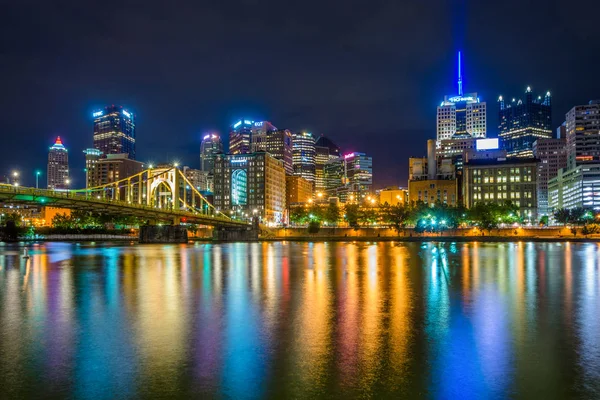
x,y
163,234
236,234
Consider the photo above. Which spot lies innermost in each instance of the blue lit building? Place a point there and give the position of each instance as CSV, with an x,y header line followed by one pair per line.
x,y
522,122
461,116
114,131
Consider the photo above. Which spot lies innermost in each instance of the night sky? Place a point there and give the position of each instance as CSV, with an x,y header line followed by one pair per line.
x,y
368,74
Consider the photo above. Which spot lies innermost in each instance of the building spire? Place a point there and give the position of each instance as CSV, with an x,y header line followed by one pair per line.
x,y
58,141
460,88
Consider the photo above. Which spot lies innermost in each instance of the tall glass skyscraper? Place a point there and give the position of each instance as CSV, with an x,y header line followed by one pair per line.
x,y
461,116
58,166
114,131
523,122
210,147
304,156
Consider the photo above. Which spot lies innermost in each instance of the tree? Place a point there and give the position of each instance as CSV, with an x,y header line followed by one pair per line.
x,y
562,216
352,215
590,229
544,221
314,226
298,215
396,215
332,214
577,215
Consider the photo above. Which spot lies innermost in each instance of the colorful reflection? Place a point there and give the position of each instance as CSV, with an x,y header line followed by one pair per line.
x,y
301,320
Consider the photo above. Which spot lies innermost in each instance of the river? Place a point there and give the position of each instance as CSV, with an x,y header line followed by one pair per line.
x,y
300,320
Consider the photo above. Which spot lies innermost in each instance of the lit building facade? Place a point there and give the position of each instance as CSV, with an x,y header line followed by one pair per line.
x,y
279,143
575,187
349,178
245,183
209,148
240,137
523,122
578,185
258,135
304,156
393,196
432,191
201,180
502,180
582,127
325,150
58,166
92,156
114,131
112,168
461,116
297,189
552,154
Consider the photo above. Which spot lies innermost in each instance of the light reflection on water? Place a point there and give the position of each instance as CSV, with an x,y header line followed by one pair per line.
x,y
301,320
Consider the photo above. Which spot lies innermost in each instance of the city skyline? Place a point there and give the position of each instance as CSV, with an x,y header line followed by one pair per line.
x,y
392,102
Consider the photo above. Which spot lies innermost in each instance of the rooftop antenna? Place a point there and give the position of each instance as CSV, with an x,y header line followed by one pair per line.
x,y
460,89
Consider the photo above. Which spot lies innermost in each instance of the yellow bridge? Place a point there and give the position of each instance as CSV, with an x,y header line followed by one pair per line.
x,y
155,195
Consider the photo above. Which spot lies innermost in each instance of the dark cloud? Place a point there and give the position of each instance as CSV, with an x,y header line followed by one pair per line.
x,y
367,73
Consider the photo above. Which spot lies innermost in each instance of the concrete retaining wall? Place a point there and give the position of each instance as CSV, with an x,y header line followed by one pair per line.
x,y
325,232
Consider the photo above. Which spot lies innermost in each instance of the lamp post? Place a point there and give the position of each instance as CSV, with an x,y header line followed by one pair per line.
x,y
37,179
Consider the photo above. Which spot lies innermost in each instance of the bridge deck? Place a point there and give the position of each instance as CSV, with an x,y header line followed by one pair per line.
x,y
76,200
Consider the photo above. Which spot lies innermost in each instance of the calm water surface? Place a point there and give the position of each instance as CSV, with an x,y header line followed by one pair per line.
x,y
301,320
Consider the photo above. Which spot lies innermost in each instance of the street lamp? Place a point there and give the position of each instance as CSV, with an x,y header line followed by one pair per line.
x,y
37,179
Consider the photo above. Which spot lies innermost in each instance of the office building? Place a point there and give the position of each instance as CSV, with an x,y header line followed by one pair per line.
x,y
501,180
58,166
350,177
523,122
250,184
279,143
304,156
552,154
575,187
111,168
393,196
432,180
201,180
114,131
92,156
240,137
461,116
258,135
325,150
578,185
209,148
332,148
297,189
582,128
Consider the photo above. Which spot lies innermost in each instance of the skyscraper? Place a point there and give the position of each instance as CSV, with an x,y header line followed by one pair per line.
x,y
258,135
583,134
240,137
578,185
325,150
279,145
349,177
58,166
461,116
304,155
523,122
210,147
114,131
